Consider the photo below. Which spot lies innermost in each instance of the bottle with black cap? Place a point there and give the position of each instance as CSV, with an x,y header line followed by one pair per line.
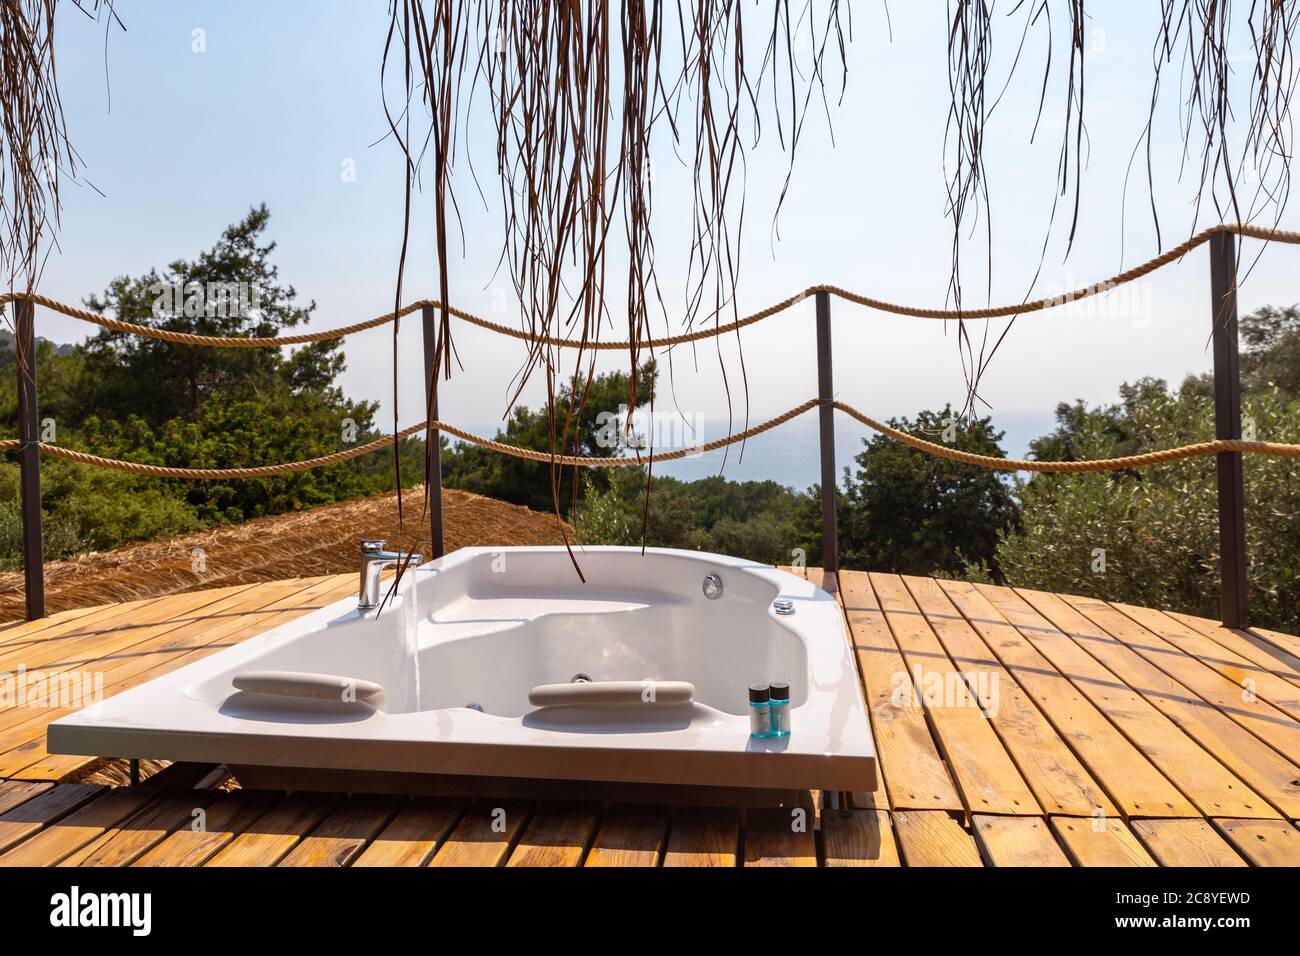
x,y
779,708
760,715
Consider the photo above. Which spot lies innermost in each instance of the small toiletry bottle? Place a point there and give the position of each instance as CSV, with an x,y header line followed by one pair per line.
x,y
760,715
779,693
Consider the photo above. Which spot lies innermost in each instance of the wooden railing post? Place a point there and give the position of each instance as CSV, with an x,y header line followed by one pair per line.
x,y
433,436
826,395
29,459
1227,424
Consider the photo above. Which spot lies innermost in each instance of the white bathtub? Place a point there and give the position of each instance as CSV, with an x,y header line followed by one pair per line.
x,y
487,626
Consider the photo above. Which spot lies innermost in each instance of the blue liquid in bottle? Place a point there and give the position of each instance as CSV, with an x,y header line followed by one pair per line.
x,y
779,706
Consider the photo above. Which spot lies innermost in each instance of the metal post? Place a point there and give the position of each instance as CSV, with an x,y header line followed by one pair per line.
x,y
432,436
1227,424
29,460
826,395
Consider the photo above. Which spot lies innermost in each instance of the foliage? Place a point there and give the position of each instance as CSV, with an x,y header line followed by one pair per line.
x,y
153,402
89,509
1270,340
232,289
910,512
523,482
1151,537
749,519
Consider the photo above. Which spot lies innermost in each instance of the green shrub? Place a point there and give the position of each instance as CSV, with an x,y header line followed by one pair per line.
x,y
1150,537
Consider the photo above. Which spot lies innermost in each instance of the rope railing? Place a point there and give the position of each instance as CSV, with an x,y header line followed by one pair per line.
x,y
1197,449
1036,305
1230,448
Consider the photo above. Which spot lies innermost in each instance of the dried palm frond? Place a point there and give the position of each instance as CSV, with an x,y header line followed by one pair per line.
x,y
579,93
35,151
1196,33
970,58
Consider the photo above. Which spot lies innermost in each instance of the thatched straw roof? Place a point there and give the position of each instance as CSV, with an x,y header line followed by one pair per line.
x,y
306,543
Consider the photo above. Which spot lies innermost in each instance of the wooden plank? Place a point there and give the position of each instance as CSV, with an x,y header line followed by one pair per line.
x,y
557,835
1059,780
934,838
275,833
914,774
132,838
858,838
84,659
15,792
30,817
1185,843
1100,842
103,652
76,637
195,640
485,834
1213,788
877,797
1263,842
81,652
1101,633
68,835
1245,674
1017,841
630,835
415,834
986,776
1287,642
1271,654
340,837
1130,778
703,836
116,630
230,815
1273,726
780,836
13,633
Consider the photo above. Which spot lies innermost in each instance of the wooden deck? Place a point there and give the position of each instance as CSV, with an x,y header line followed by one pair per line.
x,y
1048,730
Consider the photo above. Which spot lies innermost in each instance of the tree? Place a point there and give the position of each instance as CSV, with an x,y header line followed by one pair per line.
x,y
1150,536
1270,339
910,512
138,399
524,482
232,289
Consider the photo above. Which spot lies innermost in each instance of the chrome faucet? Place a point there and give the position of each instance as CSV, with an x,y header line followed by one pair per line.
x,y
374,559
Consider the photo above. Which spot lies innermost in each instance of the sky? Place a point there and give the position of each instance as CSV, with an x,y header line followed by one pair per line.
x,y
182,131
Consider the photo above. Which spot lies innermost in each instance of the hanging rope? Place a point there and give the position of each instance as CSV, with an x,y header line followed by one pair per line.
x,y
1274,449
942,451
267,471
279,341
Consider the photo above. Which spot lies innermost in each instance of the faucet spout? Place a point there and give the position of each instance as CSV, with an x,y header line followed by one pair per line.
x,y
374,559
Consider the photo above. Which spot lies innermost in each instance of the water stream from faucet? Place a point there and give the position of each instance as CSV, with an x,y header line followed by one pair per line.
x,y
410,629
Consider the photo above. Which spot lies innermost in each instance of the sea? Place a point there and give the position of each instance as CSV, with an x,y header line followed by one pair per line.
x,y
790,454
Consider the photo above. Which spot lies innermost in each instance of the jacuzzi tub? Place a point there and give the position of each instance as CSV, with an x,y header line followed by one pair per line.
x,y
459,648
